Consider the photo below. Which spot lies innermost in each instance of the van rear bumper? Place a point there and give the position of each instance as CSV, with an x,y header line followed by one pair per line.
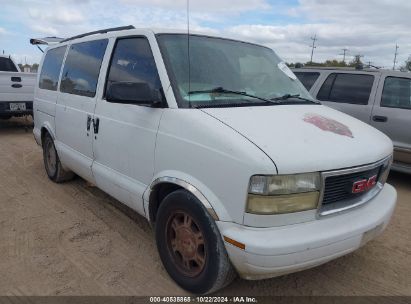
x,y
275,251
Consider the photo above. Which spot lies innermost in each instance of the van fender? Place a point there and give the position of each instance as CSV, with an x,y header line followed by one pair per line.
x,y
46,125
208,199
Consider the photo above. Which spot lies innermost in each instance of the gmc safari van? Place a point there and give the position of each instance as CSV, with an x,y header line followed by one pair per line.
x,y
221,148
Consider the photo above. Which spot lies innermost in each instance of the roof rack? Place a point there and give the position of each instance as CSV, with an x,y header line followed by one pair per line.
x,y
113,29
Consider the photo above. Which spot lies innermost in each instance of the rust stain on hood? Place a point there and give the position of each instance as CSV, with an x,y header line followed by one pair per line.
x,y
328,124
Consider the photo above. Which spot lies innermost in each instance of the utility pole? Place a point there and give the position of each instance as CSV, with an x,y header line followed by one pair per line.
x,y
345,50
395,56
313,46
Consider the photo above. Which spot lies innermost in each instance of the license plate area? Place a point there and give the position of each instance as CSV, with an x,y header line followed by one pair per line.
x,y
20,106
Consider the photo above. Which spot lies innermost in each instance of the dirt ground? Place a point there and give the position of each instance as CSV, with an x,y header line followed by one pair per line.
x,y
72,239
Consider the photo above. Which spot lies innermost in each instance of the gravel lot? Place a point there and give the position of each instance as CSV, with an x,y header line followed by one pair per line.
x,y
72,239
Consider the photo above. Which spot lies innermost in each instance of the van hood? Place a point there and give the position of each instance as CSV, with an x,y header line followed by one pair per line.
x,y
306,138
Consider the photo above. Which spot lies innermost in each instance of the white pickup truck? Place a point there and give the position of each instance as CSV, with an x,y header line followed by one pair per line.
x,y
16,89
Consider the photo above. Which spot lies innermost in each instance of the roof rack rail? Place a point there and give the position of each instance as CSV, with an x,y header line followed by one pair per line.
x,y
113,29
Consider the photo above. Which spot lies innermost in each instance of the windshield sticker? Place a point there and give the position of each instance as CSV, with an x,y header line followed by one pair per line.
x,y
286,70
328,124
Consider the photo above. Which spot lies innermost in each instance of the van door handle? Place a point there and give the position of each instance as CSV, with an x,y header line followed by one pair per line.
x,y
96,124
88,122
16,79
378,118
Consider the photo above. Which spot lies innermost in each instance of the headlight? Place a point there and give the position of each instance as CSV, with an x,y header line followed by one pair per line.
x,y
283,193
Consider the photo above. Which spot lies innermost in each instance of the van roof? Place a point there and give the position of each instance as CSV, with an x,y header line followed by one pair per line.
x,y
130,29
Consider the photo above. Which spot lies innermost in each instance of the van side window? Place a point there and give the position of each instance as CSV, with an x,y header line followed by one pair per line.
x,y
396,93
307,78
347,88
50,71
82,68
132,61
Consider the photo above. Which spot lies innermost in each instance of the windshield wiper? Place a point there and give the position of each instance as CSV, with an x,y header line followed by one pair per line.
x,y
221,90
290,96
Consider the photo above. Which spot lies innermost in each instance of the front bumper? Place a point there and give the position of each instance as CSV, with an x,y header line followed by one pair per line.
x,y
275,251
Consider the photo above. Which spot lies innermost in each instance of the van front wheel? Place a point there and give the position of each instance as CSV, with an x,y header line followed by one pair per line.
x,y
52,163
190,245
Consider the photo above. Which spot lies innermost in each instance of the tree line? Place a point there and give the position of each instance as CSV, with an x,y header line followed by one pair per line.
x,y
33,68
355,63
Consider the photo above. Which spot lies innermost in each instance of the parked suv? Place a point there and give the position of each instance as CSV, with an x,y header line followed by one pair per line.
x,y
220,147
381,98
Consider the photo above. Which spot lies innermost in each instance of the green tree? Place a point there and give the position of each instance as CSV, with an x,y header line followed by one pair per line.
x,y
334,63
356,62
35,67
407,65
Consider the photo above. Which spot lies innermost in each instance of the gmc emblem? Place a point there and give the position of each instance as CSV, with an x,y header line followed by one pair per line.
x,y
364,184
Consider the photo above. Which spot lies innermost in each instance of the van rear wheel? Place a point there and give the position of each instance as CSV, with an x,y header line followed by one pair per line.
x,y
190,244
52,163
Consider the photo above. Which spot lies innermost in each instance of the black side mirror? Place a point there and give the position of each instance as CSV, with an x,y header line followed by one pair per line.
x,y
132,93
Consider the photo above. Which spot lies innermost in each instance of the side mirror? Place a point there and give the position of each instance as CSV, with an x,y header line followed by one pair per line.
x,y
131,93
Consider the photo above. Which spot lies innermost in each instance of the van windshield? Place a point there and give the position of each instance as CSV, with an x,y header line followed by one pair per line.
x,y
225,72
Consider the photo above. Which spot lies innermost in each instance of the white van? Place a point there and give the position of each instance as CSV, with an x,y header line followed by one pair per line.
x,y
226,154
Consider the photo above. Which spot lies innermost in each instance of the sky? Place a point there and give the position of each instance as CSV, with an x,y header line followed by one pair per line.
x,y
371,28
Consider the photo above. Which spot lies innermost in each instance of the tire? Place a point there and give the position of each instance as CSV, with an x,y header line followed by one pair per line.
x,y
190,244
52,163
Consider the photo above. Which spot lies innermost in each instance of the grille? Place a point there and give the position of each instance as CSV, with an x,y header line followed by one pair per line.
x,y
339,188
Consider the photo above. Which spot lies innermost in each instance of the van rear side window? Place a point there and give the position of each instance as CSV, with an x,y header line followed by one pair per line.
x,y
346,88
307,78
50,70
82,68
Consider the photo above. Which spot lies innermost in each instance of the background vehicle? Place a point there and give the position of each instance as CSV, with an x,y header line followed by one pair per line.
x,y
381,98
16,89
222,150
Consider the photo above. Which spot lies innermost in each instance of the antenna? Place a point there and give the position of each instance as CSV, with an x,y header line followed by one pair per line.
x,y
395,56
188,52
313,46
345,51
